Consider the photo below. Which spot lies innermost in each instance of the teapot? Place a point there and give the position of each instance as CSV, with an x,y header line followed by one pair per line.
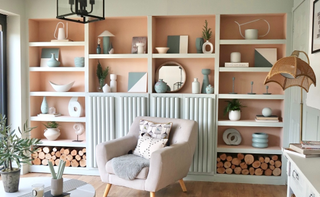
x,y
252,33
61,32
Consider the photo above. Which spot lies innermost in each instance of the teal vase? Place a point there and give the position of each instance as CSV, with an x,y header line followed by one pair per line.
x,y
53,62
44,106
161,86
199,43
205,81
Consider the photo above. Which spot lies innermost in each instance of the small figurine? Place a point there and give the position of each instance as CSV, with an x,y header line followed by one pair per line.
x,y
251,88
267,93
233,79
98,47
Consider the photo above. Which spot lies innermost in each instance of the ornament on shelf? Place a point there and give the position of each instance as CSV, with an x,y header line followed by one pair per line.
x,y
53,62
251,88
79,130
74,107
267,93
106,88
161,86
44,106
195,86
107,46
205,81
98,47
62,34
209,89
113,82
233,80
267,111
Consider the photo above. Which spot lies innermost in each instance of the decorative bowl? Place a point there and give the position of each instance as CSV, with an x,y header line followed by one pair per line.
x,y
162,50
61,88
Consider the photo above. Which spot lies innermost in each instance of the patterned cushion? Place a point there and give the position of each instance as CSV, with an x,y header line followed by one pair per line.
x,y
147,145
155,130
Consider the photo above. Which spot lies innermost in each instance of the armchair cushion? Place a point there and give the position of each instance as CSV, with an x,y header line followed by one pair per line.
x,y
147,145
155,130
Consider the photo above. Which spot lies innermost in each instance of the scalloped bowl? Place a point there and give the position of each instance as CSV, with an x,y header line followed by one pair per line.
x,y
61,88
162,50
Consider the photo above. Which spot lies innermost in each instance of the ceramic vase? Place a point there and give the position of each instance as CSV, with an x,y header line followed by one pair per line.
x,y
51,133
56,187
209,89
98,49
113,82
260,140
205,81
234,115
140,46
44,106
53,62
207,43
195,86
199,44
161,86
79,61
106,88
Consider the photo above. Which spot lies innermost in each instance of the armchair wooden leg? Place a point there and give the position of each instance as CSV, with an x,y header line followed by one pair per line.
x,y
106,191
183,186
152,194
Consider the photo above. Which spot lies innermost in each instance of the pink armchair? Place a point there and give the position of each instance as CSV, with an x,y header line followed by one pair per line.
x,y
167,165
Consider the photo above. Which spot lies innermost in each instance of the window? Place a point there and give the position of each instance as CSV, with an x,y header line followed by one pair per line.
x,y
3,62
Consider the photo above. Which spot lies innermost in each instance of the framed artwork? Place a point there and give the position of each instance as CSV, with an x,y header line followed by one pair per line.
x,y
137,82
315,42
134,48
265,57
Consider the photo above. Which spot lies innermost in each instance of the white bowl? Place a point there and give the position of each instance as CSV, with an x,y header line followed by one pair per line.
x,y
162,50
61,88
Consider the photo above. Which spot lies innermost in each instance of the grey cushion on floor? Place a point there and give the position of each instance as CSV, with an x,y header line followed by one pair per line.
x,y
129,166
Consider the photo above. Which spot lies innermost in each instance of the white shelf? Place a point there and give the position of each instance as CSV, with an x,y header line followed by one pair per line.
x,y
249,149
117,56
56,69
55,44
59,119
258,41
249,123
188,55
249,96
248,69
63,143
58,94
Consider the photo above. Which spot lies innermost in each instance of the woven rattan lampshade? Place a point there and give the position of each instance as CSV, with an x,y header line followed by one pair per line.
x,y
292,71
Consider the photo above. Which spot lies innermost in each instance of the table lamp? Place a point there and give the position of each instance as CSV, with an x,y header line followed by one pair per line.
x,y
292,71
106,41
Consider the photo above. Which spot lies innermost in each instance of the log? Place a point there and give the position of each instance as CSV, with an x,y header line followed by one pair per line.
x,y
84,150
54,149
74,152
80,153
84,156
233,167
83,163
271,162
44,162
277,164
58,154
274,157
52,153
236,161
258,172
271,167
264,166
256,164
35,155
74,163
229,171
63,157
69,157
237,170
268,172
261,159
56,162
62,151
240,156
276,172
68,163
243,165
222,157
249,159
66,151
251,171
245,171
39,149
218,159
229,158
41,155
48,156
53,157
227,164
78,158
219,164
221,170
46,149
36,161
267,159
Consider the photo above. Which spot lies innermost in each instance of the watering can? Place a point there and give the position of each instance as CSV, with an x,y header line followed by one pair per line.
x,y
252,33
61,32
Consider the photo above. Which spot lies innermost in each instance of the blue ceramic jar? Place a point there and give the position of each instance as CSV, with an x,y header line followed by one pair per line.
x,y
160,86
260,140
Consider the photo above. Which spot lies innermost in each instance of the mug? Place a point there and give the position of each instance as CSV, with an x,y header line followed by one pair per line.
x,y
251,34
37,190
79,61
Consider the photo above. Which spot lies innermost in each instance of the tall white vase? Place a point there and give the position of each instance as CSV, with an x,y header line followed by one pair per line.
x,y
195,86
113,82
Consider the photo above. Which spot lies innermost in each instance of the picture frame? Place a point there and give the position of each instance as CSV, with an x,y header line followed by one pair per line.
x,y
142,39
315,42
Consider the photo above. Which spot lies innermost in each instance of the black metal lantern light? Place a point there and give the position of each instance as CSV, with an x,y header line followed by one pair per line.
x,y
81,11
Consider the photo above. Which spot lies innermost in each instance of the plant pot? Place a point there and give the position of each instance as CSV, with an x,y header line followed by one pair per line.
x,y
234,115
52,133
11,180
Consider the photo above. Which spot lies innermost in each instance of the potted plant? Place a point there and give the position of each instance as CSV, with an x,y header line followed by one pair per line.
x,y
234,109
13,148
101,74
51,132
206,35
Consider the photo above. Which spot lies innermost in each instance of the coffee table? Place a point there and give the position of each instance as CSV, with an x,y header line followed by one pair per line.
x,y
76,188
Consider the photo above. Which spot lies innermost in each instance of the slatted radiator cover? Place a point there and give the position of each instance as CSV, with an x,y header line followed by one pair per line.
x,y
165,107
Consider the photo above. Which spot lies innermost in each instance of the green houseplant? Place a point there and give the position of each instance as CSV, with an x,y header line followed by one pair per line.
x,y
234,109
101,74
14,149
206,35
51,132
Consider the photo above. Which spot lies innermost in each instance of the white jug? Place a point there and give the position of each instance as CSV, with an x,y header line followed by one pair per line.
x,y
252,33
61,32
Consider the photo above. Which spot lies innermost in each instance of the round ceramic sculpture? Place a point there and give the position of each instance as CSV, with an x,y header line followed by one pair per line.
x,y
234,115
266,111
231,137
209,89
53,62
207,43
79,61
106,88
61,88
162,50
161,86
260,140
52,133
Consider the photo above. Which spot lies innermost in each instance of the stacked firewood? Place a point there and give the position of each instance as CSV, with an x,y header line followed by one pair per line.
x,y
248,164
74,157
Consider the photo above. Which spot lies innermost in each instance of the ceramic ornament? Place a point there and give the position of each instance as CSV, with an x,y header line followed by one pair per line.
x,y
79,130
74,107
251,88
267,93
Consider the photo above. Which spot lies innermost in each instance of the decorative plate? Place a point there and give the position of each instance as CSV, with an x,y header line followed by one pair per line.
x,y
231,137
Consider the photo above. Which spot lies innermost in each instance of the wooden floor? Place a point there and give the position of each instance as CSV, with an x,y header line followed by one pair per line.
x,y
195,189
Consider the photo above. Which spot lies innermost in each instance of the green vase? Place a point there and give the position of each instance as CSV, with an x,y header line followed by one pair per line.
x,y
199,43
101,84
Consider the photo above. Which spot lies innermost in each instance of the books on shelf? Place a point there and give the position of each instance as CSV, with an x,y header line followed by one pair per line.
x,y
310,144
291,151
257,120
272,118
236,65
49,115
298,148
